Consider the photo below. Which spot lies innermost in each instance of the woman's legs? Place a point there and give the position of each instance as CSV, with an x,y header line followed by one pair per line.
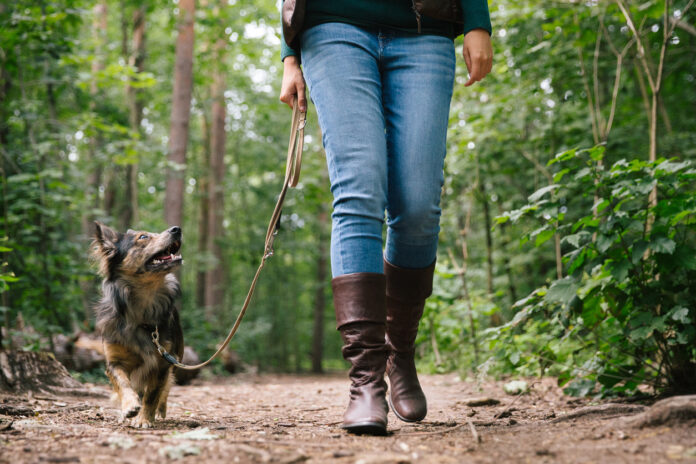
x,y
417,89
380,106
418,76
341,69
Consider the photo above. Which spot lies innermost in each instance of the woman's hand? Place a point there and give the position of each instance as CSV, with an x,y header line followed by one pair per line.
x,y
478,54
293,84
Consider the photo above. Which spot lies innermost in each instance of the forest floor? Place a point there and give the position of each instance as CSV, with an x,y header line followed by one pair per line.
x,y
293,419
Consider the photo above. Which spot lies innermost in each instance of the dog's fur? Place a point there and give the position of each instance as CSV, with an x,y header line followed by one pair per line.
x,y
139,293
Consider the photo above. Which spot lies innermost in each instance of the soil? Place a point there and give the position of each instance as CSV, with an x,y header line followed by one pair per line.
x,y
293,419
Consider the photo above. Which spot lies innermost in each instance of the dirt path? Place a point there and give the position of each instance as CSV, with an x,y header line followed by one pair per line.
x,y
292,419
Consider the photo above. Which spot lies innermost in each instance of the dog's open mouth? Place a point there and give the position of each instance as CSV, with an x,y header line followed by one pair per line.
x,y
166,259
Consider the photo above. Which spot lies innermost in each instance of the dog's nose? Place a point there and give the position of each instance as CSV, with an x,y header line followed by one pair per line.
x,y
176,230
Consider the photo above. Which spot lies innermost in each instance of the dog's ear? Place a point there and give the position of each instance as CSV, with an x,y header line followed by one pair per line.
x,y
105,238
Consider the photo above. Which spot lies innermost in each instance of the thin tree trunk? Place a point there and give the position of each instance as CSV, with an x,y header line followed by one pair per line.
x,y
483,198
99,24
5,296
136,60
464,224
508,265
214,291
181,109
204,211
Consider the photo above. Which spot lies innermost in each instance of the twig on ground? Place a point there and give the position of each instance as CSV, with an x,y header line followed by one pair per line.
x,y
294,444
477,437
432,432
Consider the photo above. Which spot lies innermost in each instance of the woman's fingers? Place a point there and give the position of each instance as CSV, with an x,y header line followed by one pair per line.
x,y
478,55
293,84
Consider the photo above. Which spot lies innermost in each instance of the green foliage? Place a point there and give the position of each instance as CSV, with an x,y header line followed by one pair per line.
x,y
628,306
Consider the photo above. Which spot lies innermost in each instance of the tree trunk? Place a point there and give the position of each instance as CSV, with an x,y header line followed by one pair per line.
x,y
464,224
483,197
203,212
181,109
512,289
129,215
99,25
28,371
214,278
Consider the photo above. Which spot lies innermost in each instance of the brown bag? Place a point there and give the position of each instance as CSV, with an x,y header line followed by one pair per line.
x,y
292,14
445,10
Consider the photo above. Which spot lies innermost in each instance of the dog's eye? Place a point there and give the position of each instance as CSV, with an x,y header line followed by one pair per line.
x,y
143,237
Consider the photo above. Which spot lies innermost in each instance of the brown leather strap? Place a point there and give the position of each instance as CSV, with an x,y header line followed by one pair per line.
x,y
292,177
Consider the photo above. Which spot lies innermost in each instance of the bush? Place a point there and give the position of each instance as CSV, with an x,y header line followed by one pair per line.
x,y
624,315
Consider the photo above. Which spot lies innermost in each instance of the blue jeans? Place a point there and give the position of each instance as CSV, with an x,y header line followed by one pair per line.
x,y
383,99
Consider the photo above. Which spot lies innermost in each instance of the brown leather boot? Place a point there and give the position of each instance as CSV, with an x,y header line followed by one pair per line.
x,y
359,300
407,290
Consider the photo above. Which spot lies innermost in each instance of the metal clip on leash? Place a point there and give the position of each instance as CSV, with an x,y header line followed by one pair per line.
x,y
292,177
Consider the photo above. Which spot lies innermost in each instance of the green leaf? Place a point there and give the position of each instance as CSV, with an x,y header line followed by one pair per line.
x,y
663,245
577,260
580,387
686,259
578,239
597,152
671,167
641,333
562,291
680,314
582,173
536,196
601,205
619,269
559,175
604,242
564,156
544,236
638,251
514,357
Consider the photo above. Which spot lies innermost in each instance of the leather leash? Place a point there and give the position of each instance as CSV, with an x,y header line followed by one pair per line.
x,y
292,177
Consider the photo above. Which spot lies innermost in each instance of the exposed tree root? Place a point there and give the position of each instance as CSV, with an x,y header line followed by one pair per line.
x,y
608,409
670,411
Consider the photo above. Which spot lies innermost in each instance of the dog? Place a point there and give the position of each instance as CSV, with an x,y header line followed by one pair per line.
x,y
139,296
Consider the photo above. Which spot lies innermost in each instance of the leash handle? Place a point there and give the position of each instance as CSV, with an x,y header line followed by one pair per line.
x,y
292,177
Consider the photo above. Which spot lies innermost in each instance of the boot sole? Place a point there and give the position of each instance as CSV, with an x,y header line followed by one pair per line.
x,y
399,416
366,428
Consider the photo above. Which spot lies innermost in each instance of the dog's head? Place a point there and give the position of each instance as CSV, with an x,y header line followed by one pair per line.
x,y
136,253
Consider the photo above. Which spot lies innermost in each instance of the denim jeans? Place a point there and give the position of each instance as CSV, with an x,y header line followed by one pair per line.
x,y
383,99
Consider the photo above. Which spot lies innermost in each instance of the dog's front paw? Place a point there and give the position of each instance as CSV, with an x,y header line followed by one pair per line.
x,y
141,421
130,406
130,411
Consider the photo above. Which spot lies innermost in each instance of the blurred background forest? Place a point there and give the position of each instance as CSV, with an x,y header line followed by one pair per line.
x,y
567,243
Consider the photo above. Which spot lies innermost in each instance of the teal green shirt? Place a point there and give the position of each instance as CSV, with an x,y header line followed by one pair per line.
x,y
396,14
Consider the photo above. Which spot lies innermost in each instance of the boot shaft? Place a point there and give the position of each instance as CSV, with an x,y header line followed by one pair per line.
x,y
360,305
406,292
359,297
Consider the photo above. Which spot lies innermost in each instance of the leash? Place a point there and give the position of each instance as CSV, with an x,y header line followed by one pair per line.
x,y
292,177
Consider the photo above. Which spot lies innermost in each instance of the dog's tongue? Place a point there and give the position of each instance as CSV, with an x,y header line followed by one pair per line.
x,y
166,257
